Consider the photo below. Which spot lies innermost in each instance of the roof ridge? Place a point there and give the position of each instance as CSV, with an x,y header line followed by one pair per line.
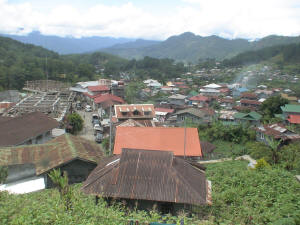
x,y
72,146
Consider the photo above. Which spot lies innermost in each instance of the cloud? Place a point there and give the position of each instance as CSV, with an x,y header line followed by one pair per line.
x,y
230,19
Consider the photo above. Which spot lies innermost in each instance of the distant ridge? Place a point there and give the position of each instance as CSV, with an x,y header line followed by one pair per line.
x,y
189,47
68,45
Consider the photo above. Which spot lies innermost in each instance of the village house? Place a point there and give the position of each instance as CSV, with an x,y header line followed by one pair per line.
x,y
134,111
199,100
105,101
99,89
153,84
28,166
195,115
31,128
227,117
213,90
226,102
250,104
264,93
291,113
147,179
160,138
162,114
177,99
275,132
252,118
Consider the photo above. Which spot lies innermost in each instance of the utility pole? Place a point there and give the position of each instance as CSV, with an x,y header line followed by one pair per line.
x,y
110,138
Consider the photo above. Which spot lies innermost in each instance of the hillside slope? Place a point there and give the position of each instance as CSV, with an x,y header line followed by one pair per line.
x,y
189,47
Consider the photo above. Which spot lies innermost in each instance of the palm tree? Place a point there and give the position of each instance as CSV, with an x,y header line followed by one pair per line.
x,y
62,183
274,145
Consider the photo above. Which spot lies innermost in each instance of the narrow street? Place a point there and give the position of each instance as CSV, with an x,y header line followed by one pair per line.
x,y
88,129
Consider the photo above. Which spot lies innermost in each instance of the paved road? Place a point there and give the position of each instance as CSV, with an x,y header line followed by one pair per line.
x,y
88,130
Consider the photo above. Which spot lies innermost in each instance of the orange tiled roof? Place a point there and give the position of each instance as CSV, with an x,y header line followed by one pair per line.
x,y
158,138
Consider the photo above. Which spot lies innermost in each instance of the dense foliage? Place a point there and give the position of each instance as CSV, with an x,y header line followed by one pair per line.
x,y
240,196
245,196
75,122
218,131
286,57
46,207
271,106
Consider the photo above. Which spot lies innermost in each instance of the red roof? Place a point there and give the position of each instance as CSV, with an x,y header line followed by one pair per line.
x,y
294,119
98,88
108,97
158,138
249,95
164,110
199,98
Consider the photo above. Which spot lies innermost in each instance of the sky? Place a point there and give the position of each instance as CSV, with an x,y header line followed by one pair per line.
x,y
151,19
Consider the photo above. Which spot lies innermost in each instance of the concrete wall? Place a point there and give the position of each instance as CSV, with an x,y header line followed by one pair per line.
x,y
18,172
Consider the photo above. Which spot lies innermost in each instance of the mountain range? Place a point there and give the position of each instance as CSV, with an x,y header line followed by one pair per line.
x,y
189,47
186,47
68,45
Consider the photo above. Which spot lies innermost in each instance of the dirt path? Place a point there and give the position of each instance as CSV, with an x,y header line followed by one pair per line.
x,y
244,157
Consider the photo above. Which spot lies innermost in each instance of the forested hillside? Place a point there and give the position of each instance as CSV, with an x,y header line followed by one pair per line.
x,y
189,47
21,62
284,56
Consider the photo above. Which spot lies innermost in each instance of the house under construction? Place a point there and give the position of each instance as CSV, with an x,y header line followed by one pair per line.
x,y
50,97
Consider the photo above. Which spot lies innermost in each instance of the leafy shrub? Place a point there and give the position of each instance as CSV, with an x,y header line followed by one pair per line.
x,y
258,150
262,164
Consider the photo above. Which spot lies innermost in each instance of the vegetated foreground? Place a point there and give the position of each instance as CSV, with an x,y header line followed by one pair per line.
x,y
240,196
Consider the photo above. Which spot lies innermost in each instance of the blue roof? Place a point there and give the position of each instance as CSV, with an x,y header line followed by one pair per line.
x,y
242,89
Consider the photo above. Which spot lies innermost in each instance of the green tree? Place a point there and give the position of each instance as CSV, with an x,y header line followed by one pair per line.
x,y
289,156
259,150
62,183
271,106
76,123
274,145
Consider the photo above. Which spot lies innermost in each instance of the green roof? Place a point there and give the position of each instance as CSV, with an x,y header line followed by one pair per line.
x,y
291,108
248,116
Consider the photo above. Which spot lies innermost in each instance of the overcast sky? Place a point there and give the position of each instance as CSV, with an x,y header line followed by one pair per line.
x,y
151,19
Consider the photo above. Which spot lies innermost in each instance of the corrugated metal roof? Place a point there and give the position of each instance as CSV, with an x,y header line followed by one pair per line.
x,y
148,175
17,130
291,108
158,138
52,154
295,119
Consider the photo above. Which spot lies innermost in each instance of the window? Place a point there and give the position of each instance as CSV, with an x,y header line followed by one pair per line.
x,y
124,113
136,112
262,136
147,113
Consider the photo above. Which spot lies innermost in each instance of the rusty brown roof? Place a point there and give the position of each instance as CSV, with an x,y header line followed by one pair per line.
x,y
17,130
52,154
148,175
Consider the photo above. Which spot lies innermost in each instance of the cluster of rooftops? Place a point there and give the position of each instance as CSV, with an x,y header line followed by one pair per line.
x,y
148,164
